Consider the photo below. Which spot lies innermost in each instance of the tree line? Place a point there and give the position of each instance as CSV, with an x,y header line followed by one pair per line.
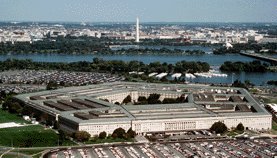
x,y
64,45
272,82
221,128
84,136
100,65
152,51
85,44
172,42
254,66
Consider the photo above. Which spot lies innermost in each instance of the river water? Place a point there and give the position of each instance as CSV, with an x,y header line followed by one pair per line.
x,y
214,60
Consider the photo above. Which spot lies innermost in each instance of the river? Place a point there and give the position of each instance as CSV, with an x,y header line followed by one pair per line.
x,y
214,60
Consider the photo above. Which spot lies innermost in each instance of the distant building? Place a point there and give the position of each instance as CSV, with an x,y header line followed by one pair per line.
x,y
268,40
255,38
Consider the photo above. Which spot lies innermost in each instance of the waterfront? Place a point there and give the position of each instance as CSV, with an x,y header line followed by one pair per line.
x,y
214,60
207,49
256,78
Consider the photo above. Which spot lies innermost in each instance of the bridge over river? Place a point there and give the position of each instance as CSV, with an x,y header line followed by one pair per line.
x,y
261,57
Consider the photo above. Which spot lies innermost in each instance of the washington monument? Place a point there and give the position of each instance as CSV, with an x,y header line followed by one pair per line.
x,y
137,30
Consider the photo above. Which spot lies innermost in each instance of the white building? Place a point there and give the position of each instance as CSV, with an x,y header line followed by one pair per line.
x,y
91,108
255,38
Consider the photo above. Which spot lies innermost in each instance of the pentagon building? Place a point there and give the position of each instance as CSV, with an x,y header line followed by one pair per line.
x,y
92,108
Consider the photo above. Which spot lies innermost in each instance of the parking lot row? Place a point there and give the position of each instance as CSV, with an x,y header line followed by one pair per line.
x,y
14,88
257,148
61,77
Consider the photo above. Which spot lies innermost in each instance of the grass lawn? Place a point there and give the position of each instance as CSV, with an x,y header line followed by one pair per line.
x,y
234,133
274,125
107,140
35,153
37,156
5,116
28,152
12,156
269,100
28,136
274,128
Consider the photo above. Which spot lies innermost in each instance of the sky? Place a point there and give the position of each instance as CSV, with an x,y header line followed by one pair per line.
x,y
146,10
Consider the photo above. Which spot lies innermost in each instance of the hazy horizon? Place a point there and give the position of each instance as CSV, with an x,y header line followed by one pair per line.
x,y
216,11
130,22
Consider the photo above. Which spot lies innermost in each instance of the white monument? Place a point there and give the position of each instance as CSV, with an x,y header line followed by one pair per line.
x,y
137,30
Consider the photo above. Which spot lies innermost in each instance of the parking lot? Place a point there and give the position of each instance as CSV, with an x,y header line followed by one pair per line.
x,y
17,88
257,148
61,77
181,136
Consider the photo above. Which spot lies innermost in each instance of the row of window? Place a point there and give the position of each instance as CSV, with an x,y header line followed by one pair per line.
x,y
146,127
180,125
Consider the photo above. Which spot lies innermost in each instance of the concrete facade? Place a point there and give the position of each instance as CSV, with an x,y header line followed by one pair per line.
x,y
204,105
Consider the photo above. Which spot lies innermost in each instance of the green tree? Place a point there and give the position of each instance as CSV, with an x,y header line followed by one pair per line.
x,y
131,133
106,100
8,100
238,83
181,99
169,101
248,83
51,85
82,136
15,107
154,99
219,127
164,79
102,135
27,110
272,82
44,117
56,125
119,133
62,137
240,127
128,99
5,105
142,100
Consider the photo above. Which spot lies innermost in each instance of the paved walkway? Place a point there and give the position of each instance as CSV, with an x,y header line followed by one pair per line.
x,y
141,139
10,124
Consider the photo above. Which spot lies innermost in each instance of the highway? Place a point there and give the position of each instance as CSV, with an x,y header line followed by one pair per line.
x,y
261,57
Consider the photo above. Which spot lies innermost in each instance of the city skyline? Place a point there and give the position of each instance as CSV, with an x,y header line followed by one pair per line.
x,y
147,11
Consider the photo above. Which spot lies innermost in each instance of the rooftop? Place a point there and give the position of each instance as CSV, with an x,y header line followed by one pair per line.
x,y
85,104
